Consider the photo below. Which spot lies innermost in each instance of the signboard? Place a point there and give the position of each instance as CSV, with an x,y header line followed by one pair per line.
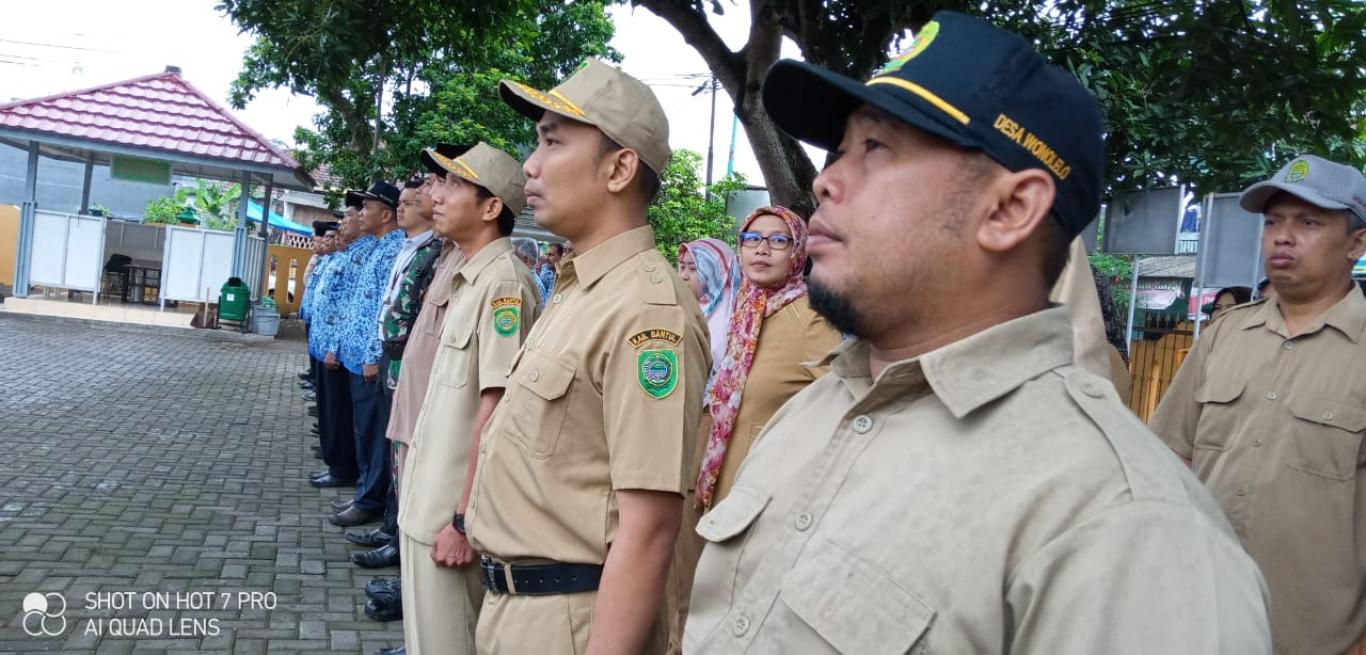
x,y
1143,222
1230,245
134,169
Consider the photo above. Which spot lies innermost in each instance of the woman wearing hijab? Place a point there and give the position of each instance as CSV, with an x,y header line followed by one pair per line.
x,y
710,267
772,331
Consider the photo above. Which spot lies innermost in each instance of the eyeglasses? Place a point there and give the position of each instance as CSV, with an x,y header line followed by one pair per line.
x,y
751,240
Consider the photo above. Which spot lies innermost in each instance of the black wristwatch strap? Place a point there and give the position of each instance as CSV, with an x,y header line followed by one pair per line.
x,y
458,522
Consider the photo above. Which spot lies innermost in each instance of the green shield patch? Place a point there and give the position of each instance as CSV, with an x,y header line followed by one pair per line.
x,y
658,372
505,320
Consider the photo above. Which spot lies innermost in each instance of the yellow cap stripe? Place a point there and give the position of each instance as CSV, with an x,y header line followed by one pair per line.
x,y
567,101
451,164
925,94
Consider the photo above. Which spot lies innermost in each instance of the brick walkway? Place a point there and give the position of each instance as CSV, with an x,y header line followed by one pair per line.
x,y
160,461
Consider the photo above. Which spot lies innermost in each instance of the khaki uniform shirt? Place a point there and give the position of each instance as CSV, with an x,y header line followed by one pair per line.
x,y
789,341
1273,425
604,396
1076,288
493,303
987,497
423,341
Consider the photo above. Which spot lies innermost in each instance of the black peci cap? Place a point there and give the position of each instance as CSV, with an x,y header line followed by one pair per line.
x,y
321,227
382,192
974,85
354,198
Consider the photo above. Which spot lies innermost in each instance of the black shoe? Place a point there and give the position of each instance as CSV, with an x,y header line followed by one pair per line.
x,y
318,475
307,386
383,587
313,411
310,397
384,611
340,504
353,516
397,650
370,538
317,453
305,375
386,555
329,482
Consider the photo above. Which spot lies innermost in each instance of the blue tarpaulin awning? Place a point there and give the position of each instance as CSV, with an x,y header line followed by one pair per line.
x,y
277,222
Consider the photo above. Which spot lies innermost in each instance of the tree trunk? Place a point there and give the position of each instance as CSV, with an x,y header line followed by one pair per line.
x,y
788,172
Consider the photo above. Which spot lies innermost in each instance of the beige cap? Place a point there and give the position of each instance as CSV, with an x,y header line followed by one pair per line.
x,y
484,165
621,106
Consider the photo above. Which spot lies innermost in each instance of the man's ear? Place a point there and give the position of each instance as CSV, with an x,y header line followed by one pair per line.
x,y
1020,201
624,167
1358,239
492,208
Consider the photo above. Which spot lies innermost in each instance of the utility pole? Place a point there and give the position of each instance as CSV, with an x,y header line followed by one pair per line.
x,y
711,133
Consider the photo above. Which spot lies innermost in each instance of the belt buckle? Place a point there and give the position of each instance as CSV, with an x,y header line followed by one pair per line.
x,y
490,580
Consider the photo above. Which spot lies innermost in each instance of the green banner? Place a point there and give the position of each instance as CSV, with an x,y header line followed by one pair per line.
x,y
134,169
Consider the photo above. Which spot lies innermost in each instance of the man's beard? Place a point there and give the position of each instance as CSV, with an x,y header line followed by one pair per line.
x,y
835,309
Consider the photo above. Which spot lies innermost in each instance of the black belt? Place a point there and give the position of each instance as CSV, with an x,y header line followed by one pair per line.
x,y
539,579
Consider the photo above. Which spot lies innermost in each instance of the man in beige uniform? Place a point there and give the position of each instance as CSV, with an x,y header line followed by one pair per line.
x,y
424,339
957,484
1270,408
493,302
578,494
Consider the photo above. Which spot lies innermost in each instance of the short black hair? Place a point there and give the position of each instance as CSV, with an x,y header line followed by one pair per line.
x,y
413,183
647,179
506,219
1261,286
558,248
1057,245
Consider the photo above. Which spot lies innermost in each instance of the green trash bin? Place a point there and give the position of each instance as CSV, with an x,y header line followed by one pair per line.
x,y
233,300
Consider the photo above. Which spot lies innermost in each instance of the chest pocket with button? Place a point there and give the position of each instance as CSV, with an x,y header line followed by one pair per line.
x,y
847,605
1218,413
1327,437
454,357
537,407
722,527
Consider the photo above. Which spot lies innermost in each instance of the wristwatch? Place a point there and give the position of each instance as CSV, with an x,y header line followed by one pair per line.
x,y
458,522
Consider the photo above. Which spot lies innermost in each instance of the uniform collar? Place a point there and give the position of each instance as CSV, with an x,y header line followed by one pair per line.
x,y
364,240
589,266
1347,315
420,239
481,260
974,371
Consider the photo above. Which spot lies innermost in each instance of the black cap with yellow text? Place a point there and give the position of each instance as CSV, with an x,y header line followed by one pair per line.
x,y
973,85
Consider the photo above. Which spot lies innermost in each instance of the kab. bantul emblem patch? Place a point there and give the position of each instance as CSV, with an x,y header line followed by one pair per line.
x,y
506,315
658,372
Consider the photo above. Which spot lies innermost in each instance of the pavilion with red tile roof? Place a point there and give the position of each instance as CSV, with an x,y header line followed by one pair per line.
x,y
159,117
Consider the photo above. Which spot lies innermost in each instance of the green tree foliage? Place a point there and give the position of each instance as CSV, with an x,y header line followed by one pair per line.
x,y
1213,93
432,65
214,204
683,212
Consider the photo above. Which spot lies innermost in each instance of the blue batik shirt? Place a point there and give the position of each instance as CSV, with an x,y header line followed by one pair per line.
x,y
360,341
311,288
545,282
335,297
324,276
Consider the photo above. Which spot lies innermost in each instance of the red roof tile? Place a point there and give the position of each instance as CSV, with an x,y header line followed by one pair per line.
x,y
159,112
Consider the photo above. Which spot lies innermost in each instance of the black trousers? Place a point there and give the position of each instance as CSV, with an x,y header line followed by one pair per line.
x,y
391,501
334,423
370,420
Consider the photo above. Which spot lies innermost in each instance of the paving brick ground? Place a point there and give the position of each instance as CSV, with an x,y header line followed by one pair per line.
x,y
167,462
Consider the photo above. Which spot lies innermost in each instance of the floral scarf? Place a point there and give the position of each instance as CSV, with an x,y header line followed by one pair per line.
x,y
752,306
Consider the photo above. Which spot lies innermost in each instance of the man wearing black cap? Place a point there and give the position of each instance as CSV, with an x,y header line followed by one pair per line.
x,y
1270,408
327,318
359,351
957,483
